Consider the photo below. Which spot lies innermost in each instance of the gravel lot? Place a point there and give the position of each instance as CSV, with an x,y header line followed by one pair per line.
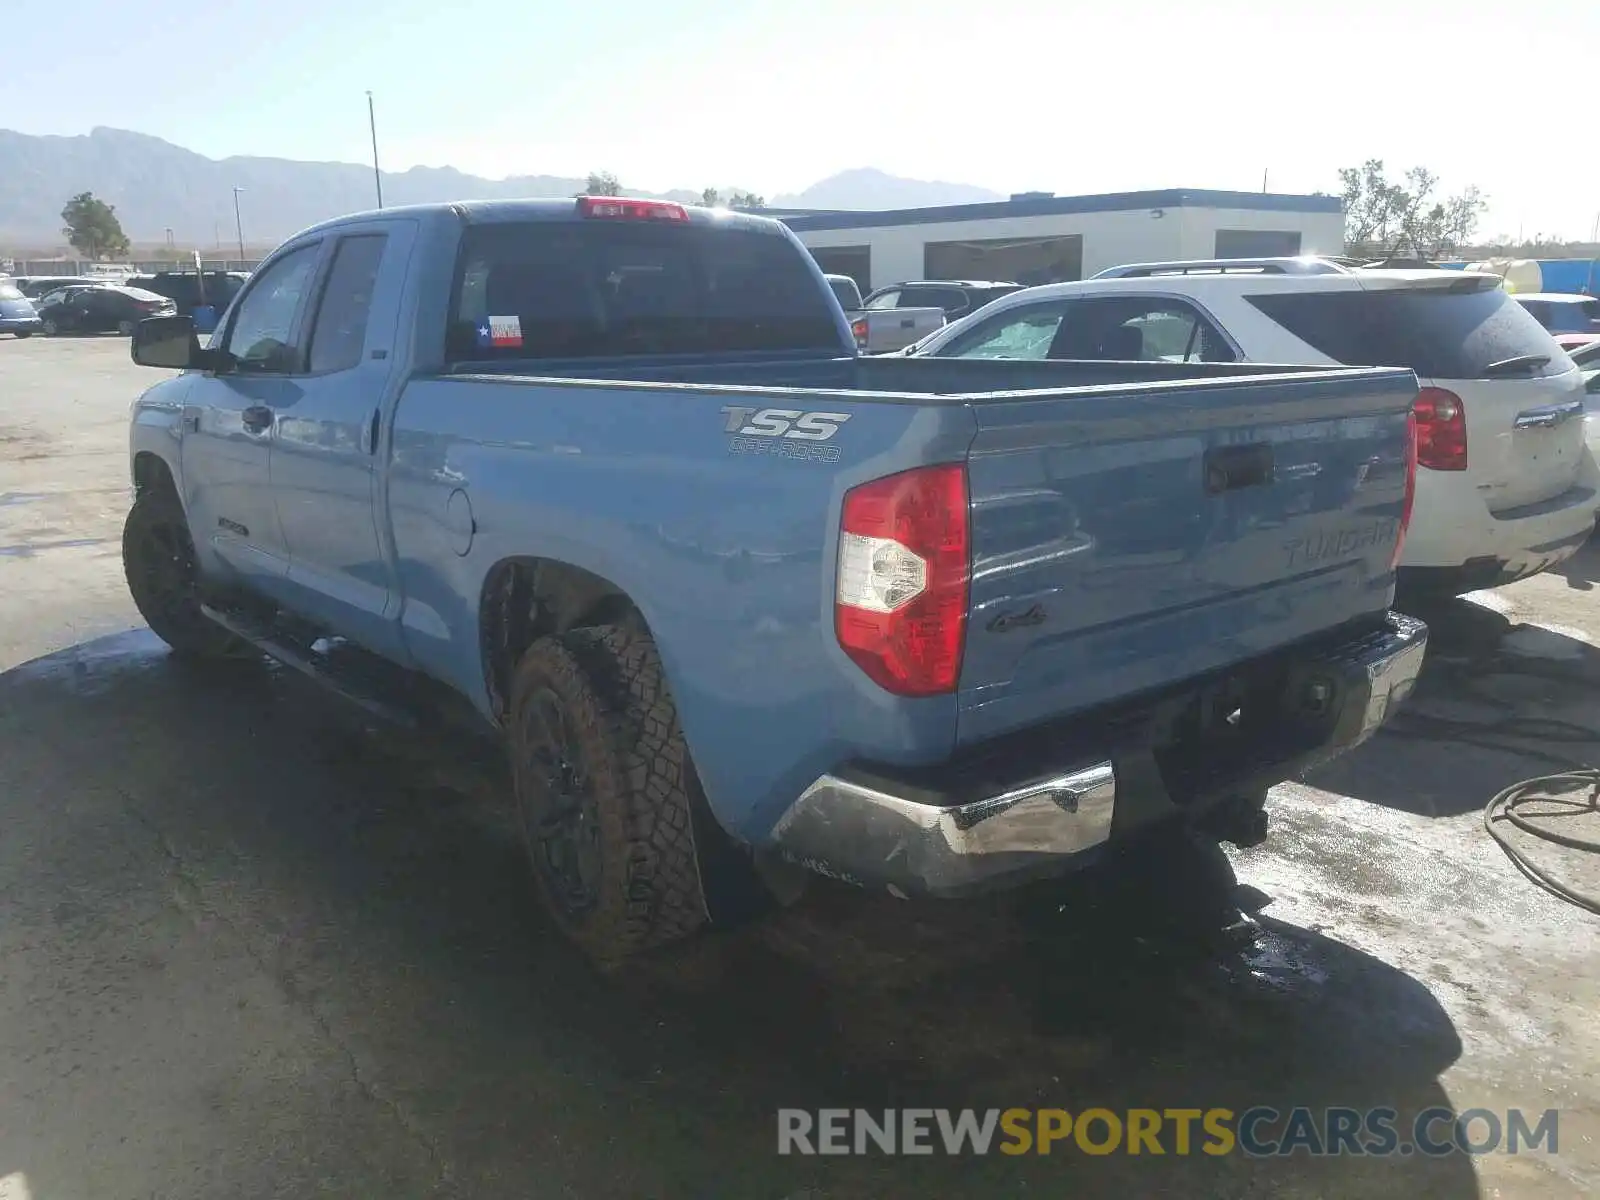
x,y
251,947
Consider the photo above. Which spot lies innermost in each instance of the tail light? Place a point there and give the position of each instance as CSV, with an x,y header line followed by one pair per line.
x,y
1441,430
859,328
1411,489
616,208
900,609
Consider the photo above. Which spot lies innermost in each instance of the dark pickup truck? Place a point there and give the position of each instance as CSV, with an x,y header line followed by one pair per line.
x,y
609,475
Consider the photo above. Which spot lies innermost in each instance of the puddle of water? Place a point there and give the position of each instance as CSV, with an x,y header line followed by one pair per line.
x,y
1545,641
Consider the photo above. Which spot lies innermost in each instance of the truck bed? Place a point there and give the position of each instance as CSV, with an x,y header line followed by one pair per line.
x,y
1104,564
890,377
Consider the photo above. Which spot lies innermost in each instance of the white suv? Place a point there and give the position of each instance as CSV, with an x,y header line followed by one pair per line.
x,y
1509,486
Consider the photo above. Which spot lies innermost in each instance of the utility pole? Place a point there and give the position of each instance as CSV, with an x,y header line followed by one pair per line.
x,y
1263,179
372,123
238,224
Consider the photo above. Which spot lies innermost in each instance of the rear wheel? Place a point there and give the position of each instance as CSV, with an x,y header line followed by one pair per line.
x,y
159,561
604,792
23,336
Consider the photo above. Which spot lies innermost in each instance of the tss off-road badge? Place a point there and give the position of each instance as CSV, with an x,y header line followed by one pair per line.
x,y
784,432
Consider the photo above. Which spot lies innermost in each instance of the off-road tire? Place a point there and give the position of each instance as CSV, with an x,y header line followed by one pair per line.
x,y
158,561
640,788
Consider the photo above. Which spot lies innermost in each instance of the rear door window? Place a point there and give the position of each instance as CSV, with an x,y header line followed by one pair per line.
x,y
1437,332
1141,329
339,333
589,289
952,300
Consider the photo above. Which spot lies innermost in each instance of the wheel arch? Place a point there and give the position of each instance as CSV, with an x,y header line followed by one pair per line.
x,y
525,598
152,473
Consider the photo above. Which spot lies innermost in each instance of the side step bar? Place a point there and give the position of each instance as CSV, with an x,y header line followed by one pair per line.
x,y
319,667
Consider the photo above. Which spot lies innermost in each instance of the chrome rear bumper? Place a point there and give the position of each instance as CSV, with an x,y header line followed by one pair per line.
x,y
863,826
866,836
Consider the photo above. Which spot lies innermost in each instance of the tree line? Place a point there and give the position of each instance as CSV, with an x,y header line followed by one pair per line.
x,y
604,183
1384,217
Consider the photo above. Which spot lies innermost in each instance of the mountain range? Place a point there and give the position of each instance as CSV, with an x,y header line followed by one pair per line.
x,y
156,186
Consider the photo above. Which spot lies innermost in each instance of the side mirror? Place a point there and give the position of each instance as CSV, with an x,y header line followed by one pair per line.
x,y
171,343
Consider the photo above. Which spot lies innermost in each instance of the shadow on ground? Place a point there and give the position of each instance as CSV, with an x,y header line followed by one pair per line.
x,y
1498,702
385,908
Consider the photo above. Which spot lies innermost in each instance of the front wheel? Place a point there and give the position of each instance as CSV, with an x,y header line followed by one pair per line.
x,y
604,792
24,335
51,328
159,561
125,328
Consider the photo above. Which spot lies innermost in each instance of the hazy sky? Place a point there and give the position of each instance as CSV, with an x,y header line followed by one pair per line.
x,y
1008,94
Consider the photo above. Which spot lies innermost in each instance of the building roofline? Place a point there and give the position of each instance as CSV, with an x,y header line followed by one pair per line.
x,y
1050,206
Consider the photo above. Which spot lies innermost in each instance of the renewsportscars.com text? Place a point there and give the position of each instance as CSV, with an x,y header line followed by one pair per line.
x,y
1257,1132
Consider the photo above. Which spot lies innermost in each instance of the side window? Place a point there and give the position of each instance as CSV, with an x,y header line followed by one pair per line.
x,y
1142,330
1025,332
889,299
262,335
952,300
340,332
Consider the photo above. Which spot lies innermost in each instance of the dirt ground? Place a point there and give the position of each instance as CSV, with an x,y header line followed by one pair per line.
x,y
251,947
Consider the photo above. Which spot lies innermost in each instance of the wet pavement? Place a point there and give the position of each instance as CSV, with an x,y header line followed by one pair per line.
x,y
251,946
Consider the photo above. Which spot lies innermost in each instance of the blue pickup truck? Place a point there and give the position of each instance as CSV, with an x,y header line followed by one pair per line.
x,y
607,479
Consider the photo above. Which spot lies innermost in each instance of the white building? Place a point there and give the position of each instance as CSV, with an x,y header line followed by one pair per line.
x,y
1036,237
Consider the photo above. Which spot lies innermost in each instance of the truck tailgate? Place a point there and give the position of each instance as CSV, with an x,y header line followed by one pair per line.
x,y
1126,538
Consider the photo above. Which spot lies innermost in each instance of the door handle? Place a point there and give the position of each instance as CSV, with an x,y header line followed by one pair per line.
x,y
257,418
1228,468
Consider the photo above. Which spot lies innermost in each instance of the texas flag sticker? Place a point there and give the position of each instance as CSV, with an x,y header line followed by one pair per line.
x,y
499,332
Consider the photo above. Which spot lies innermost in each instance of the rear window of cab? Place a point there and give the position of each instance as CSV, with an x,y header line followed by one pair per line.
x,y
589,289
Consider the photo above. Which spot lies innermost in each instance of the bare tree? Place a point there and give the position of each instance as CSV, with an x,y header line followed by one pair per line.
x,y
601,183
1406,217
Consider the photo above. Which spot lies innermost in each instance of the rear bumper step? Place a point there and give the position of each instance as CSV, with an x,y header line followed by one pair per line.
x,y
960,828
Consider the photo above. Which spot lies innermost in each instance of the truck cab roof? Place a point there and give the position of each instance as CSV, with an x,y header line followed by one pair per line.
x,y
492,212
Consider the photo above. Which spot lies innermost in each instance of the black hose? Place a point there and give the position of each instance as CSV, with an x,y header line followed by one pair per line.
x,y
1503,809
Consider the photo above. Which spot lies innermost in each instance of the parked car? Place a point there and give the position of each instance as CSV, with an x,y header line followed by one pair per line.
x,y
18,317
1586,358
882,330
190,289
741,600
1562,313
100,309
1509,487
37,287
956,297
